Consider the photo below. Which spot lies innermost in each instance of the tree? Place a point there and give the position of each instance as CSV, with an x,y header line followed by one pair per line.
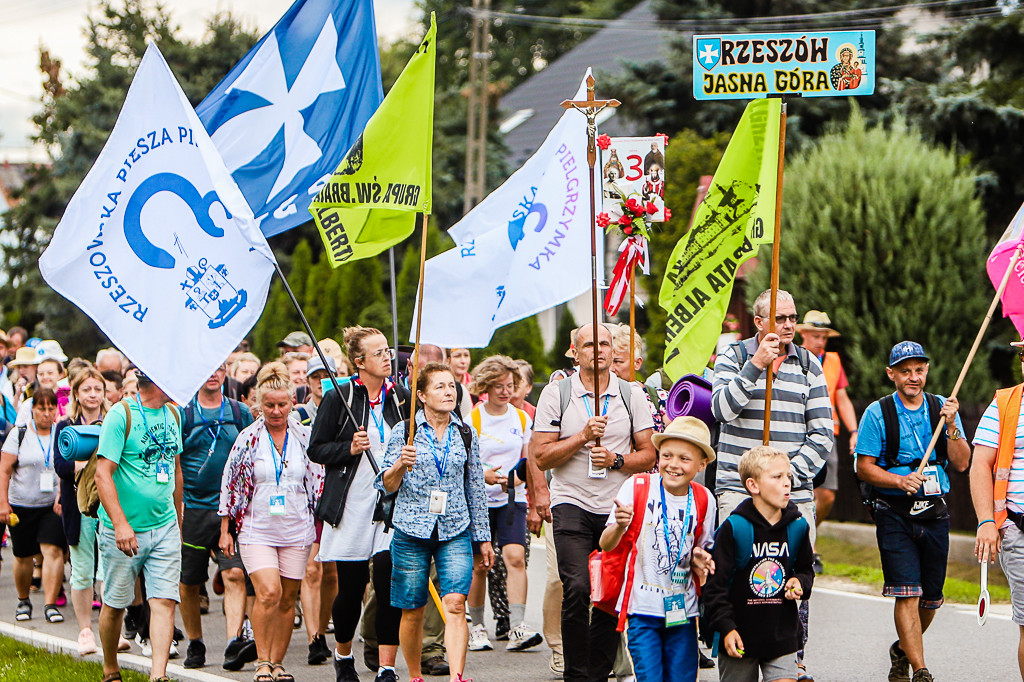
x,y
557,358
892,250
520,341
74,122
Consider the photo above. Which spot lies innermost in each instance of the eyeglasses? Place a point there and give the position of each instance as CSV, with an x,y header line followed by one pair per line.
x,y
782,319
388,353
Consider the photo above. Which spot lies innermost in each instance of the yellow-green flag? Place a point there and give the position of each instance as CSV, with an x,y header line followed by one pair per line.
x,y
370,202
736,216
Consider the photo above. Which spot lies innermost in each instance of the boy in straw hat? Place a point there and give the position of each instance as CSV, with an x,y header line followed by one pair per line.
x,y
676,530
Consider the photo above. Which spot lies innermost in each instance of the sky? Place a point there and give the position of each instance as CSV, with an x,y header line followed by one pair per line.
x,y
59,25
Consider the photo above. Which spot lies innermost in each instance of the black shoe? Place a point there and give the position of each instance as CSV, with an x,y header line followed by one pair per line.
x,y
318,651
435,666
704,662
178,635
195,656
371,659
386,675
345,670
130,628
239,652
818,567
501,629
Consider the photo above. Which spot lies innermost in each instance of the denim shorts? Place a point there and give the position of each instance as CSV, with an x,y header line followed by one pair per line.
x,y
914,555
158,560
410,567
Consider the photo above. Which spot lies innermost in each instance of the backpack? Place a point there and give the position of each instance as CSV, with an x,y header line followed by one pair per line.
x,y
743,541
625,392
476,419
612,572
191,426
85,480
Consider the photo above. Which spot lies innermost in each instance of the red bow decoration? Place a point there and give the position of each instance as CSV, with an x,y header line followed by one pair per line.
x,y
633,254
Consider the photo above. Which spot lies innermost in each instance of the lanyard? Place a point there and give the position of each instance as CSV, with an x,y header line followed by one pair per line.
x,y
49,446
904,412
145,423
590,410
279,468
440,464
686,525
380,424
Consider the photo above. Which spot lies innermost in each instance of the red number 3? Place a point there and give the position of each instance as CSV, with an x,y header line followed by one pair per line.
x,y
635,171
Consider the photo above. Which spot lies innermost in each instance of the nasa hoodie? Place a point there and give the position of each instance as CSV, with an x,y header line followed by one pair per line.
x,y
751,598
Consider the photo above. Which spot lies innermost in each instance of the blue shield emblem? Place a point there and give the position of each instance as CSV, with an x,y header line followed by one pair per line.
x,y
709,52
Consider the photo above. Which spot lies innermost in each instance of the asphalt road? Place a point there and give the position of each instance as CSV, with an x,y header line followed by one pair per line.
x,y
850,636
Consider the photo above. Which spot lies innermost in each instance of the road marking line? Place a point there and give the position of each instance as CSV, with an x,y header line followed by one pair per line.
x,y
957,608
66,646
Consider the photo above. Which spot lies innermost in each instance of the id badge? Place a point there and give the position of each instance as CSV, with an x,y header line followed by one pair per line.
x,y
438,502
46,482
679,575
675,610
931,484
597,472
163,472
276,505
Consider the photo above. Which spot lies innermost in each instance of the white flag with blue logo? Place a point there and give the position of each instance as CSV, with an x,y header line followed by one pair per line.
x,y
158,245
525,248
285,116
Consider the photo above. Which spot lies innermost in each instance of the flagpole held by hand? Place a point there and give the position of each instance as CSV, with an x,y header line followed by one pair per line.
x,y
766,437
419,322
1018,252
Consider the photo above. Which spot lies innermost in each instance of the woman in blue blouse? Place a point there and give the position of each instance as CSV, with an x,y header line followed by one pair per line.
x,y
441,509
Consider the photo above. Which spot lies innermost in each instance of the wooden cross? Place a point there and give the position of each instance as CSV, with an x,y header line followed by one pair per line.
x,y
590,108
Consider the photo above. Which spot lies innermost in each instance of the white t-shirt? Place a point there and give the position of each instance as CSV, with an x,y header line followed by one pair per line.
x,y
293,528
652,580
357,537
501,445
988,435
35,463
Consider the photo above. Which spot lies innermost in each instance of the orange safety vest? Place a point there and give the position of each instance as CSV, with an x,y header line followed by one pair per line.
x,y
832,367
1008,404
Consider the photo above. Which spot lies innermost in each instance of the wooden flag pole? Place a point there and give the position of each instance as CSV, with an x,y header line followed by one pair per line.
x,y
632,323
766,437
1018,252
419,323
394,314
590,108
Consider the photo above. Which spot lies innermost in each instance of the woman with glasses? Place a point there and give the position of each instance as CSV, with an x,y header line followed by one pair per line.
x,y
28,488
353,534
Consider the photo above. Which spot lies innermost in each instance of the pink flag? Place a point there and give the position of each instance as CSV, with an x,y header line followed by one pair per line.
x,y
999,260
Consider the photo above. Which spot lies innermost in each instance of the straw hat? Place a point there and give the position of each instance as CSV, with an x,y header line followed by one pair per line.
x,y
24,356
571,352
690,429
816,320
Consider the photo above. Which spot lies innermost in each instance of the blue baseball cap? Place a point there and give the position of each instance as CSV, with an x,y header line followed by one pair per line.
x,y
906,350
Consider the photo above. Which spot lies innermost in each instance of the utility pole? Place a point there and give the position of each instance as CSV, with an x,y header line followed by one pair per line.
x,y
476,133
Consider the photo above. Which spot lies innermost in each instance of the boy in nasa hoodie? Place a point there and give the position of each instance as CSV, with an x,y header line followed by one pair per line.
x,y
761,569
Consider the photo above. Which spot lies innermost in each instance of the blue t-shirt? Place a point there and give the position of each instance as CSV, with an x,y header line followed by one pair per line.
x,y
201,469
915,434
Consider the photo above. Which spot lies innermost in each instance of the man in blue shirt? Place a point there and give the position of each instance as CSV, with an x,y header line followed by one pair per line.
x,y
909,508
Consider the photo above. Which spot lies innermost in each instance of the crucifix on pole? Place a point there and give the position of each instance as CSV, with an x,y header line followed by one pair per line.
x,y
590,108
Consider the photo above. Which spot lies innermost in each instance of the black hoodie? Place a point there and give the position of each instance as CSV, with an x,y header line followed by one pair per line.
x,y
767,622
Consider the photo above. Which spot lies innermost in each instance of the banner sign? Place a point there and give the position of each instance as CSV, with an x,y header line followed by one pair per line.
x,y
755,65
733,219
158,245
633,167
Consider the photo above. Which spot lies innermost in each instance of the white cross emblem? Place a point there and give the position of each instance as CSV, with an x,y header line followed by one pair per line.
x,y
708,54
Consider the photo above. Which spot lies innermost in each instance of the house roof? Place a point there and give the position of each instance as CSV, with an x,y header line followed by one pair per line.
x,y
537,99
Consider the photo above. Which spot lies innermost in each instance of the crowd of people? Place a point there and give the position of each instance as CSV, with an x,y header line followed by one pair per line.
x,y
340,484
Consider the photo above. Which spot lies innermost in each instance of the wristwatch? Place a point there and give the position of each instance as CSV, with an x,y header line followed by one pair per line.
x,y
955,435
620,461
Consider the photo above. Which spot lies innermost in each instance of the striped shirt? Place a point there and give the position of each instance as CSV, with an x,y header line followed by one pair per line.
x,y
801,416
988,435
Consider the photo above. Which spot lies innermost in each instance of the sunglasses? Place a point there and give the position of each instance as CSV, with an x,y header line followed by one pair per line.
x,y
782,319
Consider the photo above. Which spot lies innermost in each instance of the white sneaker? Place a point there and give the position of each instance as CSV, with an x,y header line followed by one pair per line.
x,y
478,639
173,653
86,642
521,637
557,664
147,648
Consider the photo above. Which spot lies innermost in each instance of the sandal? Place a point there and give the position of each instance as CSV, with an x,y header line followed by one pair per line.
x,y
24,610
282,675
52,614
112,677
263,676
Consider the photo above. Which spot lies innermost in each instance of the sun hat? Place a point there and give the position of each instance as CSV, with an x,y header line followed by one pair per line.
x,y
296,339
906,350
50,350
816,320
24,356
690,429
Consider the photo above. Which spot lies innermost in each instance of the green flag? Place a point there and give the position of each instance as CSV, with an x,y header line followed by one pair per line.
x,y
736,216
370,202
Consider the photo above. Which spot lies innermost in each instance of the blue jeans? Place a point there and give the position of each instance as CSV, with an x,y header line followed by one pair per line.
x,y
662,654
410,567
